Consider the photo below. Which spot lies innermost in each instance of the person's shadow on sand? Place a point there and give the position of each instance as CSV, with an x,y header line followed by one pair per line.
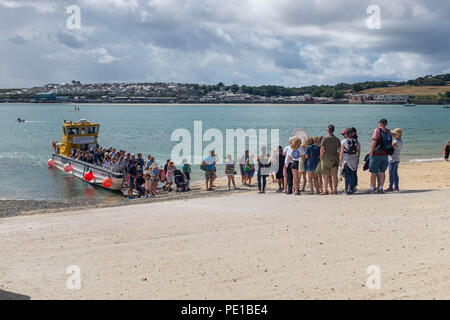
x,y
6,295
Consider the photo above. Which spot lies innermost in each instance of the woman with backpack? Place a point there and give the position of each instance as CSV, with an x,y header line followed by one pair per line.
x,y
349,158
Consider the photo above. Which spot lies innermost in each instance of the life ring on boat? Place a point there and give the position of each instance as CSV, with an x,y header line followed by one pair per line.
x,y
88,176
54,144
107,182
51,163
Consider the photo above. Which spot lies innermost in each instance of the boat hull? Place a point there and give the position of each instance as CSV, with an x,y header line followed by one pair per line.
x,y
79,168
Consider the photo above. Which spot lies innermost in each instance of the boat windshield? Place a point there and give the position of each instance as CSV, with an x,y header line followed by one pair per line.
x,y
73,131
92,130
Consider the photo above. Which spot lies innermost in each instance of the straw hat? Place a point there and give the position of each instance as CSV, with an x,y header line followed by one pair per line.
x,y
397,132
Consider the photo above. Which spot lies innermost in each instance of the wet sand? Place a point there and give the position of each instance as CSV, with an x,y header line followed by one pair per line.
x,y
413,176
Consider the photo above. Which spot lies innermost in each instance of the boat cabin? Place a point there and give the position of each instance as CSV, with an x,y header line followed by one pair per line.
x,y
81,135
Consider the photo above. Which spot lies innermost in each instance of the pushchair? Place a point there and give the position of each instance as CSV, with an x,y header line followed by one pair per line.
x,y
180,181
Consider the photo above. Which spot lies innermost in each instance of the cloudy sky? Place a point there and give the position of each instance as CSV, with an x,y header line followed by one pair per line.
x,y
285,42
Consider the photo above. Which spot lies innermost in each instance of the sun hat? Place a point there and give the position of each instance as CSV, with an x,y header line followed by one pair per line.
x,y
397,132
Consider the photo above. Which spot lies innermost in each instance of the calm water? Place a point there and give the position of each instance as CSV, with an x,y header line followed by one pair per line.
x,y
25,148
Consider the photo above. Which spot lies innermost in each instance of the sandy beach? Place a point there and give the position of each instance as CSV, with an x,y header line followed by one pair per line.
x,y
240,246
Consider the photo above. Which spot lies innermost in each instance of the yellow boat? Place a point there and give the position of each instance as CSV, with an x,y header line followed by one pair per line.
x,y
82,135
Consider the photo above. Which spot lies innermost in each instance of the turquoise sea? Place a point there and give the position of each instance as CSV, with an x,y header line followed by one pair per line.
x,y
26,147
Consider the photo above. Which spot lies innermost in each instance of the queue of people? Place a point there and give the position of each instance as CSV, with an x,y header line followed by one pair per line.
x,y
316,162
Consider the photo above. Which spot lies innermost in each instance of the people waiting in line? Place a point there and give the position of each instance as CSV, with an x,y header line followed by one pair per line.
x,y
316,160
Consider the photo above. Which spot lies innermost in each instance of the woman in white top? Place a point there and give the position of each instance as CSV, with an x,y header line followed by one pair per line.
x,y
294,154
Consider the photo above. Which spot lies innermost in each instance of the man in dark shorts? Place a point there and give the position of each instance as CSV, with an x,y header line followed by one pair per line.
x,y
209,162
378,157
132,172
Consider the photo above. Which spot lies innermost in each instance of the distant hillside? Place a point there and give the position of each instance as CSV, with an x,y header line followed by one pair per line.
x,y
411,90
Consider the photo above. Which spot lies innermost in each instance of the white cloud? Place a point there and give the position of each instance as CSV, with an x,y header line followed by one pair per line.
x,y
288,42
39,6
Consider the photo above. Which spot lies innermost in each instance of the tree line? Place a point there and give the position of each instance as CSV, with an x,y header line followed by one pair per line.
x,y
337,91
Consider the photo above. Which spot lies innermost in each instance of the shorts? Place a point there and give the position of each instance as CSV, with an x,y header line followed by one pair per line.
x,y
330,172
280,173
295,165
209,174
378,164
131,183
301,165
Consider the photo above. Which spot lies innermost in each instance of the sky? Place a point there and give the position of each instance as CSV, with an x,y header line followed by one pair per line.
x,y
248,42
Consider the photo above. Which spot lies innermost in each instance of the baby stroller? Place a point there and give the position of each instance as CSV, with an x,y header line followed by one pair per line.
x,y
180,181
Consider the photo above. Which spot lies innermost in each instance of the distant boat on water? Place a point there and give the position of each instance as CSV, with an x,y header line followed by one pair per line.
x,y
446,107
409,105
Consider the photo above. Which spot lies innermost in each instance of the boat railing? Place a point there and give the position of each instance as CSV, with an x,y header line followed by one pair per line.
x,y
107,171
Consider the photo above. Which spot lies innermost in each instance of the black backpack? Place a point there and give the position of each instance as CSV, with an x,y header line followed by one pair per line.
x,y
385,143
352,146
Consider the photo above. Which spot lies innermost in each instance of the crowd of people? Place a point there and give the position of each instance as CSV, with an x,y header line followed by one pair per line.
x,y
140,176
317,163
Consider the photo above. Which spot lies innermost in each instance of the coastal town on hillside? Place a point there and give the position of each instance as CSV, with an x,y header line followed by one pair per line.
x,y
423,90
172,93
